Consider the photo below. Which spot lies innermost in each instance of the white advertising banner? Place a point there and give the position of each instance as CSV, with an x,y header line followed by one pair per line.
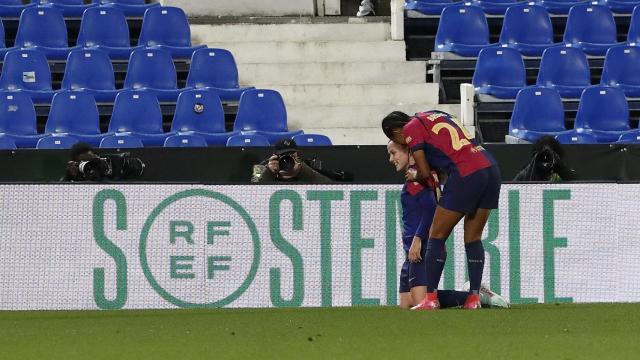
x,y
167,246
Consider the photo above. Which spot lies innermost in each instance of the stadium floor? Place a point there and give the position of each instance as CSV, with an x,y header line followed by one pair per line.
x,y
602,331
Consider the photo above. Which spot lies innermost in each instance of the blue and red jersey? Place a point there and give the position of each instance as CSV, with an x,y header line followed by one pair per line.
x,y
418,207
446,144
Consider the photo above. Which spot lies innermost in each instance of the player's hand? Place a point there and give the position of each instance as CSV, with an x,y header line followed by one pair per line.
x,y
273,164
410,175
414,250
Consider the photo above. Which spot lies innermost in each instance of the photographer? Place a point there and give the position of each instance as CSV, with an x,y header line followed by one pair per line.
x,y
546,163
287,166
87,165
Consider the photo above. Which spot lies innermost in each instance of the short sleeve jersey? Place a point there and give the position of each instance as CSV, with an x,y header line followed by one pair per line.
x,y
446,144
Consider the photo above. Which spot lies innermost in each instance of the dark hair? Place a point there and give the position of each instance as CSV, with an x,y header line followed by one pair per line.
x,y
79,149
393,121
548,141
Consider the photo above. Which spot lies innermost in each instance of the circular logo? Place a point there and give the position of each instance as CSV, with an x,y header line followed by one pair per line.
x,y
199,248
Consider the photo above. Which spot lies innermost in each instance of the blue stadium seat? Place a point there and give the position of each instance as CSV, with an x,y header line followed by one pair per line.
x,y
58,141
622,69
621,6
69,8
185,140
462,30
90,71
263,112
106,29
138,113
560,7
121,141
75,113
131,8
3,45
633,35
565,70
152,70
13,8
574,137
591,28
200,112
603,112
538,111
27,71
495,7
312,140
528,29
215,69
7,143
44,29
247,140
632,137
499,72
18,119
427,7
167,27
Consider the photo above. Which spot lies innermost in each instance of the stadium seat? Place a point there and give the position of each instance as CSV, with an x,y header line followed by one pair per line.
x,y
18,119
528,29
7,143
121,141
27,71
591,28
621,6
603,112
90,71
247,140
185,140
69,8
215,69
565,70
3,45
462,30
263,112
560,7
495,7
633,35
138,113
499,73
630,138
167,28
538,111
131,8
152,70
44,29
58,141
622,69
75,113
312,140
13,8
574,137
427,7
106,29
200,112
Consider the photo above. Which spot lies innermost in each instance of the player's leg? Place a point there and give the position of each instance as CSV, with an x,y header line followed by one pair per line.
x,y
417,294
452,298
488,298
444,221
406,301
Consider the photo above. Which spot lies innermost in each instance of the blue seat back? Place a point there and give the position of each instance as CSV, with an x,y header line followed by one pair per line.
x,y
603,108
214,68
2,36
576,138
136,111
621,66
248,140
42,26
261,109
121,142
185,140
630,138
11,2
312,140
165,25
590,23
529,24
462,24
60,141
66,2
633,35
126,2
25,69
538,109
104,26
499,67
152,68
17,114
88,69
563,65
6,143
73,112
198,110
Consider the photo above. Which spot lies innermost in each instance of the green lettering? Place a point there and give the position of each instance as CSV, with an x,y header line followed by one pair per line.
x,y
449,266
514,251
212,266
213,230
181,229
550,243
180,267
393,218
357,244
493,227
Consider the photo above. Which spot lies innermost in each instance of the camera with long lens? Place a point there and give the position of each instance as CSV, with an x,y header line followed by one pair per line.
x,y
112,167
546,158
286,162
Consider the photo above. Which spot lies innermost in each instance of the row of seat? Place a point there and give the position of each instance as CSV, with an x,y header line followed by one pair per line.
x,y
499,7
106,28
75,8
149,69
603,116
463,30
198,112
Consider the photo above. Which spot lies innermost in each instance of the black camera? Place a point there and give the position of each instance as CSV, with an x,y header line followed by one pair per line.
x,y
286,162
112,167
546,158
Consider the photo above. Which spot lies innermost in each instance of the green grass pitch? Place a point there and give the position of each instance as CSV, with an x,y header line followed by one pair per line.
x,y
603,331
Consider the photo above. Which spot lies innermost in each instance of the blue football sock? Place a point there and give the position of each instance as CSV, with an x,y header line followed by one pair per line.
x,y
451,298
435,257
475,264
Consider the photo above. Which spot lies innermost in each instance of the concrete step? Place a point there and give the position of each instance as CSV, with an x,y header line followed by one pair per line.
x,y
270,75
357,31
352,136
319,95
314,51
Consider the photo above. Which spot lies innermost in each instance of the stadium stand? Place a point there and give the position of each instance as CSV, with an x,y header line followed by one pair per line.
x,y
13,8
106,29
603,112
133,8
499,73
576,138
70,8
537,112
75,113
246,140
622,69
527,28
590,28
629,138
215,69
462,30
312,140
565,70
427,7
44,29
495,7
560,6
138,113
167,28
27,71
90,71
18,119
121,141
7,143
153,70
621,6
57,141
185,140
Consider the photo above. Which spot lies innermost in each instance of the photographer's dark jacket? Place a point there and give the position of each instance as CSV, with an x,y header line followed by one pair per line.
x,y
306,175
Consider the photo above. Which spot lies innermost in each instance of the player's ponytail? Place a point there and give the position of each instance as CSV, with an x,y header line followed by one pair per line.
x,y
394,121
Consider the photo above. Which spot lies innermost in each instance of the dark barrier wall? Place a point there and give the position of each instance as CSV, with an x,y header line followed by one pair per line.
x,y
367,163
